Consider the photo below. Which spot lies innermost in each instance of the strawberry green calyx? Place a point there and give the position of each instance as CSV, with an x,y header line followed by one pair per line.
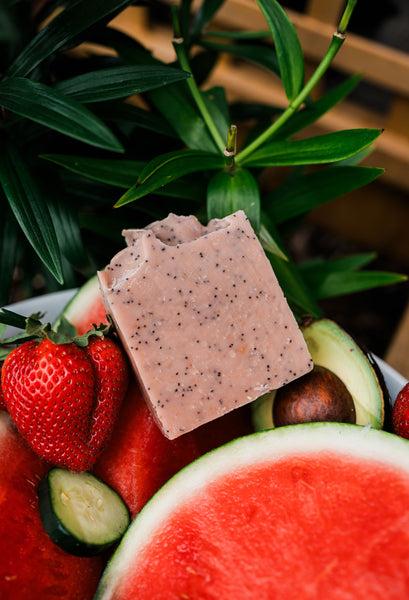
x,y
65,332
35,329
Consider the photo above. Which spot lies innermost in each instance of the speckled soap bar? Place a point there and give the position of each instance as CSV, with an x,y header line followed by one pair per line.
x,y
202,317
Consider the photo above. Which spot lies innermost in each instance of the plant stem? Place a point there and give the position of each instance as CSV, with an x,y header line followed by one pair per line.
x,y
336,43
230,149
179,46
342,27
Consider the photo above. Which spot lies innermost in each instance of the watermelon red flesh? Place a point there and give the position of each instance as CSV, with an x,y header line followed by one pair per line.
x,y
312,539
31,565
311,525
139,459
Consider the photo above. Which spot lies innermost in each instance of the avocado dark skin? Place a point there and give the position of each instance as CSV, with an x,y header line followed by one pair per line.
x,y
317,396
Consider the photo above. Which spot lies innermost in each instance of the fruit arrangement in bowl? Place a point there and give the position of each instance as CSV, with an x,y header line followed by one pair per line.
x,y
187,424
305,470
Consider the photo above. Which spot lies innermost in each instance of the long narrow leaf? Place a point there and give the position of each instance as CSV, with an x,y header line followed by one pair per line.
x,y
53,109
311,113
9,246
167,168
203,15
227,193
287,45
174,104
124,112
316,271
77,17
30,209
261,55
121,173
299,296
68,234
218,107
124,174
304,193
320,149
119,82
350,282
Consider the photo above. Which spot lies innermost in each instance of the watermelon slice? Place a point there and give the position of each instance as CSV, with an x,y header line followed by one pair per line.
x,y
86,307
31,565
300,512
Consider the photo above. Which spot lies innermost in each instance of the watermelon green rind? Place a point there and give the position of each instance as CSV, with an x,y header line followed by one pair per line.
x,y
83,300
353,441
85,308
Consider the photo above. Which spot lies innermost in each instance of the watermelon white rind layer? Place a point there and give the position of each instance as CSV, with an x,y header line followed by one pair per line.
x,y
336,441
82,301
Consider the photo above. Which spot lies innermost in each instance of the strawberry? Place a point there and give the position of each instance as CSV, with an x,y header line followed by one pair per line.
x,y
64,397
400,413
2,402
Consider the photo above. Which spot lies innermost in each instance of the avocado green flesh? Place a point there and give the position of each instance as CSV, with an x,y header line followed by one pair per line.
x,y
331,347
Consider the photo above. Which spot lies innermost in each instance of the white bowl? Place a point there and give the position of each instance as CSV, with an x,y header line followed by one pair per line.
x,y
53,304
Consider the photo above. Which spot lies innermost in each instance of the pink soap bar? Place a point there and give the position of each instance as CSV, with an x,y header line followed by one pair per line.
x,y
202,317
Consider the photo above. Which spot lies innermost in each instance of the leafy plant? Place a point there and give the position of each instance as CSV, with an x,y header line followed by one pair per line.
x,y
72,143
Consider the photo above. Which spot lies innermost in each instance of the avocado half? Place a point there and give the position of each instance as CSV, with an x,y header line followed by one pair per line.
x,y
331,347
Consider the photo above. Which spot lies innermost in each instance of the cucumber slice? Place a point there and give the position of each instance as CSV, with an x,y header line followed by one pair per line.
x,y
80,513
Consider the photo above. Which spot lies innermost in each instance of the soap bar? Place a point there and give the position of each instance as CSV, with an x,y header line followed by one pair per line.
x,y
202,318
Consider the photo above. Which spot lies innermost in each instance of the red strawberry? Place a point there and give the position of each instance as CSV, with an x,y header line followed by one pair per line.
x,y
64,398
2,402
111,383
400,413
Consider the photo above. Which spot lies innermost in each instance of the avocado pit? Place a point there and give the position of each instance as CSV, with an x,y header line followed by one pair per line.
x,y
320,395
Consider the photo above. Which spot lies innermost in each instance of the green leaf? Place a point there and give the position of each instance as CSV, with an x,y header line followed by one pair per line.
x,y
264,56
316,270
318,267
218,107
49,107
12,319
299,296
166,168
123,112
174,103
269,244
287,45
30,209
301,194
124,174
239,35
350,282
228,192
119,82
68,233
77,17
203,15
9,250
314,110
320,149
120,173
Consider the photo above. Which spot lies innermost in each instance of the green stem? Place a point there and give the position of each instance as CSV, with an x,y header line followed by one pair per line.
x,y
336,43
230,149
178,44
346,16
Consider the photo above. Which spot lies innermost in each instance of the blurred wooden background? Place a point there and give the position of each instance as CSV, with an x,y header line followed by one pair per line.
x,y
376,217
